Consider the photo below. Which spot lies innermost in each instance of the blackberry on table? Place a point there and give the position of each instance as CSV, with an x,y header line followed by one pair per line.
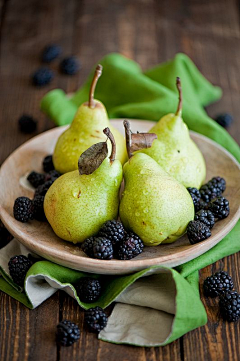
x,y
42,189
36,179
209,191
23,209
219,207
42,76
67,333
195,194
70,65
87,246
51,52
224,120
88,289
206,217
230,306
197,232
217,284
96,319
48,163
27,124
130,247
102,248
18,268
38,210
5,236
201,205
112,230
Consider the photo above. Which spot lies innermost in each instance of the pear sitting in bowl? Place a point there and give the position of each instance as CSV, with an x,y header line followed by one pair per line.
x,y
175,151
154,205
86,130
80,202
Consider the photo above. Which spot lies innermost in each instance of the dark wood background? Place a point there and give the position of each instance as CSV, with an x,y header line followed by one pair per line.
x,y
149,31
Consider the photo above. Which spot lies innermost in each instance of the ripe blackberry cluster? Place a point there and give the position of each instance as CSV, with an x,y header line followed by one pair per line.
x,y
217,284
26,209
67,333
70,65
209,206
27,124
88,289
220,284
96,319
18,268
51,52
42,76
113,240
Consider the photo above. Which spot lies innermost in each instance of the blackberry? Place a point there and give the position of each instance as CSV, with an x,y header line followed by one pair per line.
x,y
42,76
5,236
205,217
36,179
48,163
130,247
195,194
23,209
52,175
102,248
209,191
96,319
230,306
70,65
67,333
197,232
42,189
27,124
201,205
217,284
18,268
219,207
219,183
112,230
88,289
87,246
51,52
38,210
224,120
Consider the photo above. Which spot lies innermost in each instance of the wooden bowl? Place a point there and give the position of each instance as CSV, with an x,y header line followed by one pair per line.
x,y
40,238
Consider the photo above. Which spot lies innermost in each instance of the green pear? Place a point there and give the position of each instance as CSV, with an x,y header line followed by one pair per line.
x,y
175,151
154,205
86,130
80,202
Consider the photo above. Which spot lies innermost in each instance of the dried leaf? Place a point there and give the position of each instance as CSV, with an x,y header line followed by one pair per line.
x,y
141,140
92,158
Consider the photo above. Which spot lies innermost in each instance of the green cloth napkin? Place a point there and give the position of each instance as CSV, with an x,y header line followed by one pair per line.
x,y
157,305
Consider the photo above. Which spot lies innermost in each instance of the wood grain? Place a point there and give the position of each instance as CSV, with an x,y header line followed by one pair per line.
x,y
149,31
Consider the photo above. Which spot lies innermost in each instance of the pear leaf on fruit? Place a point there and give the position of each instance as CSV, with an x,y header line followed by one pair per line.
x,y
86,129
175,151
79,202
154,205
92,158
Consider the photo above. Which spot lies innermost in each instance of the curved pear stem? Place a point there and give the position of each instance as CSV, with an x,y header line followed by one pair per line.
x,y
97,74
128,135
179,88
110,136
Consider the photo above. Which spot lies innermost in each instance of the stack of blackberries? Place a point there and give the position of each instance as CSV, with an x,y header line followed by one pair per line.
x,y
210,206
113,241
221,285
25,209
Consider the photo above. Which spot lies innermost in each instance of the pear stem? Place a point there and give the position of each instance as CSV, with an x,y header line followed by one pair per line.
x,y
97,74
110,136
179,88
128,135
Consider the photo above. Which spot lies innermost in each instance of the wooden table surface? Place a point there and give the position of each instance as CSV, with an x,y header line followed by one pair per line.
x,y
149,32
